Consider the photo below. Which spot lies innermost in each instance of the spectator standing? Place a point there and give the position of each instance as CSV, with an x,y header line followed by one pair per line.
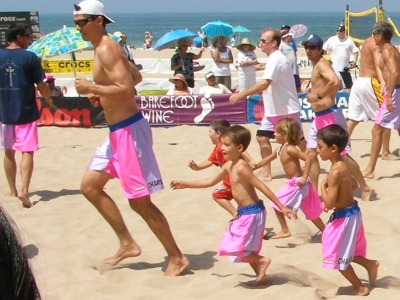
x,y
222,58
341,48
18,107
247,61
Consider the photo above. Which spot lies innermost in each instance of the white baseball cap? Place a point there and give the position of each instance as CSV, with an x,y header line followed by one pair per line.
x,y
92,7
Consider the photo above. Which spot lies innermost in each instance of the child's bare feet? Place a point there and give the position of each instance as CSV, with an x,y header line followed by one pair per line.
x,y
369,175
366,193
262,270
281,235
125,251
177,268
372,268
362,291
25,200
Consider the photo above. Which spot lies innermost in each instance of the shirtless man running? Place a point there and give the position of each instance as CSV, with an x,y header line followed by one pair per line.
x,y
389,113
127,153
325,85
366,96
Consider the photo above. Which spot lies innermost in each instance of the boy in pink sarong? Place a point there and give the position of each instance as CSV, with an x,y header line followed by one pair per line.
x,y
299,193
243,237
343,240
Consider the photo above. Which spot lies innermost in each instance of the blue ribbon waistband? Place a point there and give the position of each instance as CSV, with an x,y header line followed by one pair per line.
x,y
126,122
252,208
346,212
326,111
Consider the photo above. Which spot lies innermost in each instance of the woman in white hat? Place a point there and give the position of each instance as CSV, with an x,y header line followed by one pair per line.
x,y
247,61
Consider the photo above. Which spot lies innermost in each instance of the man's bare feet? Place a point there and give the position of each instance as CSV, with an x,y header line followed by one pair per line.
x,y
280,235
125,251
366,193
368,174
25,200
389,156
177,268
362,291
372,269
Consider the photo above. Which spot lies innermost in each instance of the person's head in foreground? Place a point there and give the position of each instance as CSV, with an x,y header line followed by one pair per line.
x,y
16,278
382,31
88,14
20,34
332,140
217,127
288,131
235,141
270,40
313,46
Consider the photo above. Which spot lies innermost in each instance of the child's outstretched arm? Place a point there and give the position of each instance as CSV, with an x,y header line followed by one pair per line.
x,y
197,167
259,185
202,183
265,160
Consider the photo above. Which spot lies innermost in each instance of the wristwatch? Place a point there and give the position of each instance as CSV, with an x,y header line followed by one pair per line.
x,y
319,96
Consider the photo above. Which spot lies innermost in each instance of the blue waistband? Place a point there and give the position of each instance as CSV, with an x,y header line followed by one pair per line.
x,y
396,87
345,212
326,111
252,208
126,122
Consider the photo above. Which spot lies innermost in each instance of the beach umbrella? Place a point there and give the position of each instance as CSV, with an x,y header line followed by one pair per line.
x,y
65,40
298,30
170,39
218,27
241,29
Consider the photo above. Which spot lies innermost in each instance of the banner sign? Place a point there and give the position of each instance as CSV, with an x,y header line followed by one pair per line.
x,y
255,107
67,66
69,112
159,110
31,18
173,110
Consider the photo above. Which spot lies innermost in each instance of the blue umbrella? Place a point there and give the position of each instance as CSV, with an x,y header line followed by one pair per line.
x,y
241,29
218,27
170,39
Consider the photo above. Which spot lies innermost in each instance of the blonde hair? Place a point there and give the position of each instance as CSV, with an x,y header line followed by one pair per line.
x,y
291,129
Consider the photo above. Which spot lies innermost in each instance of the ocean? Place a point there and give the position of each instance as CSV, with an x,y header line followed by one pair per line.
x,y
135,25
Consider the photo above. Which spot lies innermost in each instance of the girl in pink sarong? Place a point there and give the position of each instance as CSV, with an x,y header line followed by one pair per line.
x,y
298,192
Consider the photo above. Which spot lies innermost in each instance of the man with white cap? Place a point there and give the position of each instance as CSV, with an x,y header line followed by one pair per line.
x,y
291,56
127,153
213,87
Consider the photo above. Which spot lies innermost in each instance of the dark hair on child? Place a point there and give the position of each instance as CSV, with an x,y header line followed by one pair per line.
x,y
334,135
220,125
239,135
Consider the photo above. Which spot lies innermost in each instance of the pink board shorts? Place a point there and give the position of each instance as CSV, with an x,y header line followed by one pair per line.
x,y
343,238
325,118
295,197
23,138
127,153
387,119
245,234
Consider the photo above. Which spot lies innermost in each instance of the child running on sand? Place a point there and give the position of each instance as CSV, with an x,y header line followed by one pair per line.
x,y
343,240
299,191
222,194
243,238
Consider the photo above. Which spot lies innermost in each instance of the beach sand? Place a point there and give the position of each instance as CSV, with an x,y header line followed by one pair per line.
x,y
67,239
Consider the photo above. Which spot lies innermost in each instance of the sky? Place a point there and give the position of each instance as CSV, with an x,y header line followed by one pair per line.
x,y
148,6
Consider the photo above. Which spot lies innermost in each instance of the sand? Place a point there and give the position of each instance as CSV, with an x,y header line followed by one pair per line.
x,y
67,239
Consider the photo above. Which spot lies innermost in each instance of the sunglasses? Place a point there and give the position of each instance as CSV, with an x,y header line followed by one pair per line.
x,y
83,22
264,41
310,47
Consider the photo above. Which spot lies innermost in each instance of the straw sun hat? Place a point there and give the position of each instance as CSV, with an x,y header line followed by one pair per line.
x,y
245,41
179,77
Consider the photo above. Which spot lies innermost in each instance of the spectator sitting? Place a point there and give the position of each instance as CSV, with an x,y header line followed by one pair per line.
x,y
55,91
180,86
213,87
